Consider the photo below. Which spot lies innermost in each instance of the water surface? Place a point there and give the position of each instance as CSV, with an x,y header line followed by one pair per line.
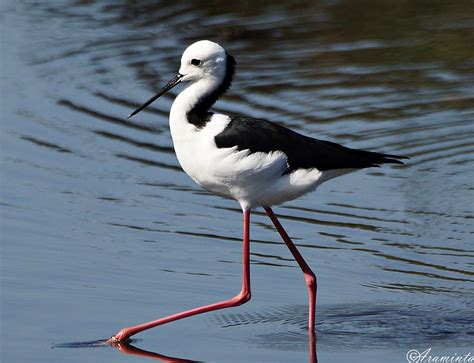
x,y
101,229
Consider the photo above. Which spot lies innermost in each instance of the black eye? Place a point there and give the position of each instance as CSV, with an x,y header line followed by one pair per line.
x,y
195,62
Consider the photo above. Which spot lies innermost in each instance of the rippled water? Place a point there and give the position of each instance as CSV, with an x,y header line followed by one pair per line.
x,y
101,229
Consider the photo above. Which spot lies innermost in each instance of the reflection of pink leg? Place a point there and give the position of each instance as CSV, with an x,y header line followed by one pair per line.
x,y
309,275
130,349
239,299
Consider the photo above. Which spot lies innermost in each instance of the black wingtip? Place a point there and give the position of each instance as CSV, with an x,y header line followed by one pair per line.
x,y
394,159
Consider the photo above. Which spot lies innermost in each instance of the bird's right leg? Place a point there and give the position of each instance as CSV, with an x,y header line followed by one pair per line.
x,y
244,296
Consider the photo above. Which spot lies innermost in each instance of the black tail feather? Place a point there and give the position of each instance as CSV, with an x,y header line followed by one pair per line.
x,y
374,159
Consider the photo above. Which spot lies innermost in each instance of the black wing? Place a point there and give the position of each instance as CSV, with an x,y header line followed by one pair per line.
x,y
259,135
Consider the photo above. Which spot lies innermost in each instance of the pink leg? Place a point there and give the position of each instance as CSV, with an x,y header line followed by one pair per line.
x,y
309,275
241,298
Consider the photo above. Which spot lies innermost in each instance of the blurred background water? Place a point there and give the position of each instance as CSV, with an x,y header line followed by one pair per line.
x,y
101,229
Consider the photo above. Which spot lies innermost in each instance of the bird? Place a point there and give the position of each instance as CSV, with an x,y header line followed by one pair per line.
x,y
258,163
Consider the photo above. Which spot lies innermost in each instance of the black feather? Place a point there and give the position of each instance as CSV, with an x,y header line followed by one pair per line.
x,y
303,152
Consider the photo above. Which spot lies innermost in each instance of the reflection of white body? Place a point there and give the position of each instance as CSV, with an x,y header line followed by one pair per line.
x,y
256,162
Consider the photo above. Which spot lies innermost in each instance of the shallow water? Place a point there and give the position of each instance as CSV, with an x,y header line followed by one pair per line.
x,y
101,229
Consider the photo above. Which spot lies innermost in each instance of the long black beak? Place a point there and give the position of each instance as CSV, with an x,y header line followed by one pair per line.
x,y
176,80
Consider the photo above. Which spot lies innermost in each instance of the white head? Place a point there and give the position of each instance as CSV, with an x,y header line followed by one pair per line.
x,y
201,60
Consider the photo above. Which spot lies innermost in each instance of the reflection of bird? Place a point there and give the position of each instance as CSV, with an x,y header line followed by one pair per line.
x,y
256,162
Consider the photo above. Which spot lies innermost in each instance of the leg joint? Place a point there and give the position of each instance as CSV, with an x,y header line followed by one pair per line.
x,y
310,279
241,298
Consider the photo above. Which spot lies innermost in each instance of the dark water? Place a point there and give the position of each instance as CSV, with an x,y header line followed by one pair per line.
x,y
101,229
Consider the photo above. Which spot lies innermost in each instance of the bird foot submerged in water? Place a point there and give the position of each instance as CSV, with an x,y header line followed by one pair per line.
x,y
120,337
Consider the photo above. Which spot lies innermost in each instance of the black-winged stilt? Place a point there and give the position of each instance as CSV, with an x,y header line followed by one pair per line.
x,y
256,162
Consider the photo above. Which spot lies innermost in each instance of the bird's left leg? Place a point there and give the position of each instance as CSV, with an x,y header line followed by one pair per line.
x,y
309,275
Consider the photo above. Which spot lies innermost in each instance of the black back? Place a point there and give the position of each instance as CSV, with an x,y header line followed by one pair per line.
x,y
303,152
